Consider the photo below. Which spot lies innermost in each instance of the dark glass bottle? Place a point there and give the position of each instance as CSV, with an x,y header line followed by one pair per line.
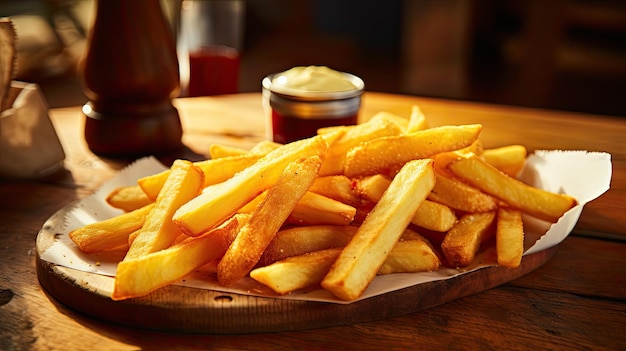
x,y
130,75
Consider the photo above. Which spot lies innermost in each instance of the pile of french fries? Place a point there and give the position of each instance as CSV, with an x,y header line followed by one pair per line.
x,y
390,195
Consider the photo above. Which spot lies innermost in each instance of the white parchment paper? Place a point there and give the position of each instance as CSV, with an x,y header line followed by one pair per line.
x,y
581,174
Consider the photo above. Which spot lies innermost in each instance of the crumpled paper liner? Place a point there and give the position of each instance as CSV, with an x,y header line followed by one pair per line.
x,y
581,174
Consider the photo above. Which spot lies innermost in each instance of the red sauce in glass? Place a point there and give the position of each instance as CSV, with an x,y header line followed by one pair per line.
x,y
213,70
286,129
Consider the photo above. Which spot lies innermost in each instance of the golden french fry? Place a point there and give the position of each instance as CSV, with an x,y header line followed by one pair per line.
x,y
411,256
296,272
315,209
218,151
361,259
376,127
386,155
109,234
462,242
372,187
417,120
401,122
144,274
509,159
308,269
218,202
128,198
338,187
215,171
300,240
312,209
509,237
264,147
266,220
434,216
460,196
534,201
158,231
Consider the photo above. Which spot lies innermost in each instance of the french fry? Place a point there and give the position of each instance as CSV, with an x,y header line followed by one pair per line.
x,y
377,126
411,256
296,272
158,231
109,234
338,187
264,147
462,242
430,215
144,274
509,237
300,240
308,269
219,201
386,155
509,159
128,198
218,151
534,201
434,216
312,209
372,187
315,209
266,220
417,120
361,259
460,196
215,171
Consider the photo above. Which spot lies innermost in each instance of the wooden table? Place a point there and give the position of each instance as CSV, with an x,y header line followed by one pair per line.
x,y
575,301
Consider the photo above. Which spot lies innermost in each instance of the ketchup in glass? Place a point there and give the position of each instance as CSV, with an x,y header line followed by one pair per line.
x,y
301,100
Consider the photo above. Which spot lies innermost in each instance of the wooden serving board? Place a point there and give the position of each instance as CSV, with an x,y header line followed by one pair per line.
x,y
191,310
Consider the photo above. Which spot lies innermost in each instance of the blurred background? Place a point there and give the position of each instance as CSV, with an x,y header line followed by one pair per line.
x,y
558,54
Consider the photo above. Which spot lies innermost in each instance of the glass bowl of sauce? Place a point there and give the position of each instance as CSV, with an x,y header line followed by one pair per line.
x,y
301,100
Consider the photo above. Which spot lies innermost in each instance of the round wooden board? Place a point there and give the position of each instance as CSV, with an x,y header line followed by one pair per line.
x,y
191,310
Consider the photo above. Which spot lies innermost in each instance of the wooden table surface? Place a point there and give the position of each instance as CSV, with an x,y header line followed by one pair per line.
x,y
577,300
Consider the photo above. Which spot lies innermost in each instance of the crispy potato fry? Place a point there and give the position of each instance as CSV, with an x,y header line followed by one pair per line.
x,y
376,127
417,120
300,240
110,234
215,171
386,155
534,201
312,209
509,237
266,220
430,215
410,256
158,231
296,272
509,159
460,196
462,242
144,274
372,187
220,201
337,187
218,151
315,209
362,258
434,216
264,147
309,268
128,198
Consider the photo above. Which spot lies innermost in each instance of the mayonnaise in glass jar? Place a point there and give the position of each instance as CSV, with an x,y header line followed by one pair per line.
x,y
301,100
